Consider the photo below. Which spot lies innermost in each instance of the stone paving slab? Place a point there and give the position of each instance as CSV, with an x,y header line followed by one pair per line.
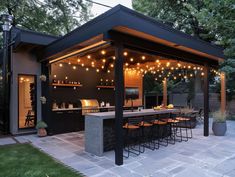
x,y
199,157
7,141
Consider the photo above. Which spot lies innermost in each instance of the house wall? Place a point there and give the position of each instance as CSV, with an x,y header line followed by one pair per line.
x,y
23,63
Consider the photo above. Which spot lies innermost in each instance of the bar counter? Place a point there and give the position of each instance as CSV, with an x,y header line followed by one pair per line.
x,y
99,127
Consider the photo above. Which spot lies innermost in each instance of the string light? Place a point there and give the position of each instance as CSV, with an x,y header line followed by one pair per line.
x,y
78,60
87,69
157,61
54,76
114,57
66,77
82,64
97,70
143,57
125,53
103,60
88,56
69,63
103,52
61,65
111,65
74,67
131,59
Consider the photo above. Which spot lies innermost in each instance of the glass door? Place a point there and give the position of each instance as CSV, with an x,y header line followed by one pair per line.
x,y
27,101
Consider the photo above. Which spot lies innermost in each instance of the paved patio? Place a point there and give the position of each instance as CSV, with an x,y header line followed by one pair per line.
x,y
200,157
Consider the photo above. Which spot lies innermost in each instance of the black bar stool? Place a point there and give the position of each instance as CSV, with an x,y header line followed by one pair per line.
x,y
148,132
133,136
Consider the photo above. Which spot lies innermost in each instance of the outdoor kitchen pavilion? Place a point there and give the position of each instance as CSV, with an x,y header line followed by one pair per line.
x,y
125,31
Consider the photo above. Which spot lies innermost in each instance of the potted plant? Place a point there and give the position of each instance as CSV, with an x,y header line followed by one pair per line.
x,y
41,127
219,126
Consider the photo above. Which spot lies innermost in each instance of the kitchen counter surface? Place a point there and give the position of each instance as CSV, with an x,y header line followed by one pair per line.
x,y
95,127
129,113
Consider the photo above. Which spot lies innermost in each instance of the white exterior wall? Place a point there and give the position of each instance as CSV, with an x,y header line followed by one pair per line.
x,y
23,63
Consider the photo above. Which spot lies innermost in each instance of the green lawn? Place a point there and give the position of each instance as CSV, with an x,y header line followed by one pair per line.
x,y
23,160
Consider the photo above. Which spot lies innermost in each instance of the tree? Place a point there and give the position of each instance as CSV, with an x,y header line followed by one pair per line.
x,y
210,20
56,17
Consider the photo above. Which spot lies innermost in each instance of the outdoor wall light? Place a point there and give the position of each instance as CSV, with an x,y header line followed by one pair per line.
x,y
7,21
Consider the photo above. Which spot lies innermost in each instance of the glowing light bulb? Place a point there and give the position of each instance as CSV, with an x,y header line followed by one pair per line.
x,y
143,57
54,76
74,67
78,60
131,59
61,65
126,64
168,64
114,57
87,69
69,63
83,65
103,60
103,52
125,53
111,65
88,56
157,61
97,70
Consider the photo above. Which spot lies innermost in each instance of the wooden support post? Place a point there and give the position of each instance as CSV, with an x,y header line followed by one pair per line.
x,y
223,92
119,100
206,100
164,92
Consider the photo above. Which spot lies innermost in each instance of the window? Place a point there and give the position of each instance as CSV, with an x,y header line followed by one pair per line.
x,y
27,101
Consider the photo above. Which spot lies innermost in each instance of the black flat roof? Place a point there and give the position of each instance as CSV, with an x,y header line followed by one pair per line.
x,y
29,39
129,21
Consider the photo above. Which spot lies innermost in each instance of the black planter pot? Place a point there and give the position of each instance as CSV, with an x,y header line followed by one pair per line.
x,y
219,128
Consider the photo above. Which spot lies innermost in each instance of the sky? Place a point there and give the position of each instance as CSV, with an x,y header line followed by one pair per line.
x,y
97,9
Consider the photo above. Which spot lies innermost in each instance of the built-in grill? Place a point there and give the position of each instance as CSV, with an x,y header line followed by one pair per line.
x,y
89,106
